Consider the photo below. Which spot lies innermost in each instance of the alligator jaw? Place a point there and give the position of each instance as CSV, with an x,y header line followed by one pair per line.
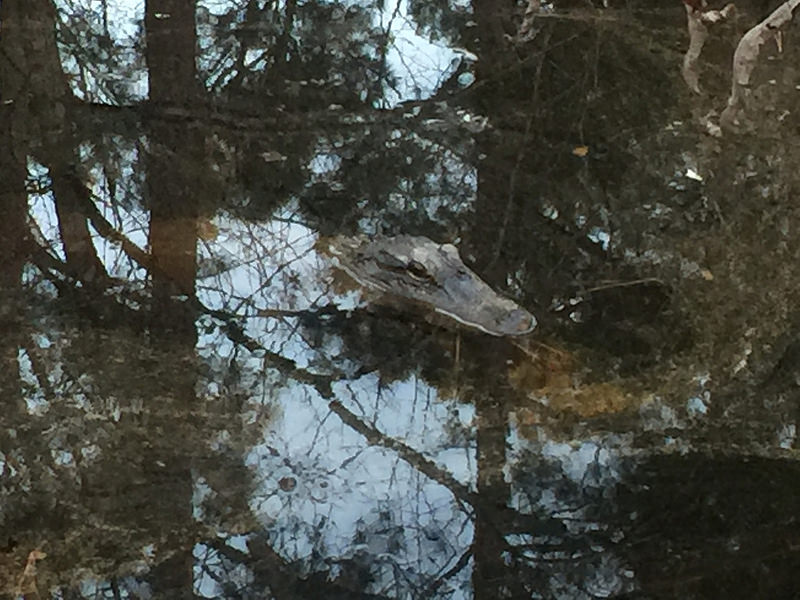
x,y
416,271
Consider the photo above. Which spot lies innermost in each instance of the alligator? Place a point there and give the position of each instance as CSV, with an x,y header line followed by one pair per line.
x,y
407,270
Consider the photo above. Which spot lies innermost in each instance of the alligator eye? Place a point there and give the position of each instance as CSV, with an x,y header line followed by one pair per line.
x,y
417,270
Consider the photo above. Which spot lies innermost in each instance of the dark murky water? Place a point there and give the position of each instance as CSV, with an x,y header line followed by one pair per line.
x,y
199,401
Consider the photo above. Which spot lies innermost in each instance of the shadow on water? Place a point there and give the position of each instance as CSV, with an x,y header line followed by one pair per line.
x,y
197,405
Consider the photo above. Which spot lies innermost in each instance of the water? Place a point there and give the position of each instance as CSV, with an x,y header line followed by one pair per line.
x,y
196,405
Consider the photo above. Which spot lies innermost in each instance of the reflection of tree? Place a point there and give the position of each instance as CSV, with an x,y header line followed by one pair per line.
x,y
175,197
699,526
567,74
12,225
574,159
128,468
41,129
134,390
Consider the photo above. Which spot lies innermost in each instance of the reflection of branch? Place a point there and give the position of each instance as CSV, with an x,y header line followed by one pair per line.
x,y
107,230
38,369
697,39
619,284
500,520
69,200
510,519
26,585
525,32
234,331
449,574
408,454
746,57
698,32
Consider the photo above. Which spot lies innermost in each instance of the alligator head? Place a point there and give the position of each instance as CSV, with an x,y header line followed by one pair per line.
x,y
415,271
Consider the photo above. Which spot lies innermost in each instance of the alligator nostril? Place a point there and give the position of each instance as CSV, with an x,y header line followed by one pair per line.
x,y
520,321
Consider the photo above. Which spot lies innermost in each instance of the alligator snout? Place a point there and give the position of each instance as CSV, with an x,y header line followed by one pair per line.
x,y
418,272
